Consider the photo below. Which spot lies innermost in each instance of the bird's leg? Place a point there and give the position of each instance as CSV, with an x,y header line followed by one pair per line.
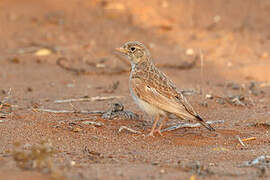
x,y
161,124
154,126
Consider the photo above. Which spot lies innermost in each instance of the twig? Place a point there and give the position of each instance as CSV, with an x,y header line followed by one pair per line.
x,y
128,129
97,98
240,141
67,111
249,139
189,125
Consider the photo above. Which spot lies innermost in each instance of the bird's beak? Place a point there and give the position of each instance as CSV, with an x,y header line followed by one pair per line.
x,y
121,50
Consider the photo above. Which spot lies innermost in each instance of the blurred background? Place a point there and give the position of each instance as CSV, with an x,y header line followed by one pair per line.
x,y
233,35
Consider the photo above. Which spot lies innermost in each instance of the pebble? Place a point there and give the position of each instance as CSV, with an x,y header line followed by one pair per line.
x,y
190,52
72,163
209,96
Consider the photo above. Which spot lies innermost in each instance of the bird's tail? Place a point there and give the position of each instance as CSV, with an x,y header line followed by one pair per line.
x,y
210,128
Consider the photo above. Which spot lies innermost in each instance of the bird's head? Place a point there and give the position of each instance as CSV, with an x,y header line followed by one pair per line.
x,y
135,51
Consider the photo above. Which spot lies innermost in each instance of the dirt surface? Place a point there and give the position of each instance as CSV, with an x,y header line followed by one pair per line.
x,y
229,42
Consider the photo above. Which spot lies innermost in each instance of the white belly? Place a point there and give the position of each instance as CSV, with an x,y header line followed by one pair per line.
x,y
148,108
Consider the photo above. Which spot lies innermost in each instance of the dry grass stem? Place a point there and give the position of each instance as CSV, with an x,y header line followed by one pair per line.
x,y
128,129
97,98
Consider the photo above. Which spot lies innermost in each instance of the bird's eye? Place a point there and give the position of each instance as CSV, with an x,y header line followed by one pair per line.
x,y
132,49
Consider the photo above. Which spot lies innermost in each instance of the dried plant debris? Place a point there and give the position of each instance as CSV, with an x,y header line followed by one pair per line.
x,y
116,111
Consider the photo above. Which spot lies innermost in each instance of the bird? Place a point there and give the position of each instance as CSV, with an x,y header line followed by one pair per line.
x,y
153,91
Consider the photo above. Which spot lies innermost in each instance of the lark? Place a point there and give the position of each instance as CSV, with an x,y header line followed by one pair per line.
x,y
153,91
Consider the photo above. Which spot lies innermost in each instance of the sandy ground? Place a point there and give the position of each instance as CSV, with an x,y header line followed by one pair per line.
x,y
231,39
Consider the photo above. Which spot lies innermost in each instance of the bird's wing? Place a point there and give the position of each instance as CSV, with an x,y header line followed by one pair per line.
x,y
165,98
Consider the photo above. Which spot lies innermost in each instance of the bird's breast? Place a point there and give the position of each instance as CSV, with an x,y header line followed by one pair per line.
x,y
145,106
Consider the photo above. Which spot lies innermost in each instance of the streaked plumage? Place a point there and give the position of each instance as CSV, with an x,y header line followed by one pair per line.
x,y
152,90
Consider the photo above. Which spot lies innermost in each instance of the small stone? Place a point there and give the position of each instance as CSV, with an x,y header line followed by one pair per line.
x,y
190,52
209,96
72,163
162,171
